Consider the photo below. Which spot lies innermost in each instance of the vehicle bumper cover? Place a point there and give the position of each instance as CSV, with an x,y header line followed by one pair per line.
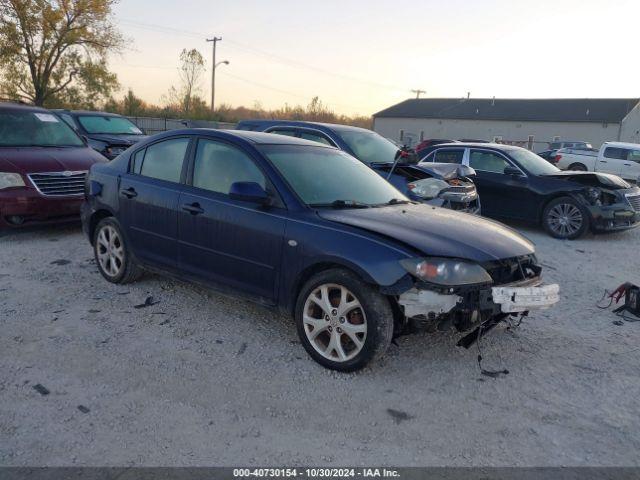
x,y
35,208
614,217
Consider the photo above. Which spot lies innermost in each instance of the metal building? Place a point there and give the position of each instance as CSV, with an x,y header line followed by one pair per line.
x,y
532,123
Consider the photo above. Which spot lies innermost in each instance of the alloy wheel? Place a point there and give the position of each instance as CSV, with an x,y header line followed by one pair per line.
x,y
565,219
110,251
334,322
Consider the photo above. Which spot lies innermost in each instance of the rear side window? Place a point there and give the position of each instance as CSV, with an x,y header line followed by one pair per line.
x,y
163,160
448,156
487,161
287,132
616,153
315,137
634,156
217,166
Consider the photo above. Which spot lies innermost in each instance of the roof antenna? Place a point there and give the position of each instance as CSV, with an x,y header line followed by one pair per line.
x,y
493,102
468,95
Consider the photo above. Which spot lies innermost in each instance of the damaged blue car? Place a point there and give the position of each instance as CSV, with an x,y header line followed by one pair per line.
x,y
308,229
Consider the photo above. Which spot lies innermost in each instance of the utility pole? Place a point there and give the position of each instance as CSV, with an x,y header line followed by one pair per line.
x,y
215,40
418,92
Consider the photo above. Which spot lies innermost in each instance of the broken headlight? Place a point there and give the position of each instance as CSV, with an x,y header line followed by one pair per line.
x,y
446,271
595,196
428,188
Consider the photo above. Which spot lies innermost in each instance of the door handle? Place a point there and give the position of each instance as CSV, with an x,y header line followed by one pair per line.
x,y
193,208
603,161
627,164
129,192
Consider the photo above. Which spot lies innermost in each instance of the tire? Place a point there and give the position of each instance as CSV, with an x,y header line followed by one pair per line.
x,y
577,167
565,218
359,314
112,253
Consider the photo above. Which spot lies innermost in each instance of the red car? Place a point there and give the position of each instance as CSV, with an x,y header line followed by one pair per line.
x,y
43,165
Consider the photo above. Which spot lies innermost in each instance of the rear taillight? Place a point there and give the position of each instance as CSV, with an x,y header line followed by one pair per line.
x,y
557,158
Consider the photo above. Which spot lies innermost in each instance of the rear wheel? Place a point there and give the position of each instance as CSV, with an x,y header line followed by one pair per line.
x,y
577,167
342,322
565,218
112,253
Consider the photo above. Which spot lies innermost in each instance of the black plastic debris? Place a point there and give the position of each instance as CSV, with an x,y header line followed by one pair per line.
x,y
61,261
83,409
41,389
398,416
619,323
147,303
94,311
242,349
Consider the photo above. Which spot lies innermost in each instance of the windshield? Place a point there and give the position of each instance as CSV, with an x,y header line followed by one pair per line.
x,y
113,125
369,146
35,129
328,177
532,162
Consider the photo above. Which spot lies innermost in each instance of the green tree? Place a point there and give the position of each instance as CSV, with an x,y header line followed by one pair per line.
x,y
54,52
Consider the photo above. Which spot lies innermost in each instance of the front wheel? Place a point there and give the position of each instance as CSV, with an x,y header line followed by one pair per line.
x,y
342,322
565,218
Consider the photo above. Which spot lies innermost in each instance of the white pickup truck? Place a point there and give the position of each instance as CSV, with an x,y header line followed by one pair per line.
x,y
622,159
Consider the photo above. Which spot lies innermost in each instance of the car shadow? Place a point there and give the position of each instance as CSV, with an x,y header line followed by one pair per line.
x,y
42,229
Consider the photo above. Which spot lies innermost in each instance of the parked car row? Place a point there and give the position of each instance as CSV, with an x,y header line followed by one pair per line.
x,y
45,157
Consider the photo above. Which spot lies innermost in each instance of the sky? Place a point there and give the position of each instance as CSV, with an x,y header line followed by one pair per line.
x,y
361,56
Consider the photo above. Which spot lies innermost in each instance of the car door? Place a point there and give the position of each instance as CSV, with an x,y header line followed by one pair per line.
x,y
148,199
612,160
225,241
630,168
502,195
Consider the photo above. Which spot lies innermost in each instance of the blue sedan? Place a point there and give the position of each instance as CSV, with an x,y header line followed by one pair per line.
x,y
310,230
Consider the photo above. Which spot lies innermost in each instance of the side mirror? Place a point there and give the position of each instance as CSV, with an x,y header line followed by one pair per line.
x,y
465,171
249,192
513,171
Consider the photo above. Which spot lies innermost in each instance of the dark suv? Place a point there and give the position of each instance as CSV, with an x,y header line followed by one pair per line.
x,y
107,133
43,165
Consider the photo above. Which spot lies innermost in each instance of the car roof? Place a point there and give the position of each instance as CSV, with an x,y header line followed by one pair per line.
x,y
258,138
87,113
622,144
22,107
303,123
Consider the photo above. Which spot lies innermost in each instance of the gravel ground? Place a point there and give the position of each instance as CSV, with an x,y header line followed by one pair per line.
x,y
202,379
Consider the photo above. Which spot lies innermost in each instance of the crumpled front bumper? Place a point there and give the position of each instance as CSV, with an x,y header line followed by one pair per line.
x,y
486,302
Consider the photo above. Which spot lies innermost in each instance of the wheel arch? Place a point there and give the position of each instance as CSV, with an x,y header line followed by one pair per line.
x,y
323,265
95,219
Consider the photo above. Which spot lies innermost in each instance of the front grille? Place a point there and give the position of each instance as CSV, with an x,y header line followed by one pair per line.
x,y
634,200
59,184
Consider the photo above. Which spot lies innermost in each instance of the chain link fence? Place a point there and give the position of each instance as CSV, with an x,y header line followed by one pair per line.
x,y
153,125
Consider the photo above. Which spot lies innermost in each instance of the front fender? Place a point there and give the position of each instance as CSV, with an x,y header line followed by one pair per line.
x,y
309,246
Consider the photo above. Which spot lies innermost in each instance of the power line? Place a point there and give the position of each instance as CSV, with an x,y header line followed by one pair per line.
x,y
255,51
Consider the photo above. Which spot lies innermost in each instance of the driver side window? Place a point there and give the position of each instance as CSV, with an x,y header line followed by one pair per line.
x,y
487,161
217,166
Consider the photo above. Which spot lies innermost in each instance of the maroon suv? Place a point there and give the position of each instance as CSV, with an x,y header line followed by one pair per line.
x,y
43,165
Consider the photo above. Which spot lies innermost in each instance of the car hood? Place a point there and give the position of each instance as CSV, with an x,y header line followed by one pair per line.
x,y
111,139
593,179
35,160
437,231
